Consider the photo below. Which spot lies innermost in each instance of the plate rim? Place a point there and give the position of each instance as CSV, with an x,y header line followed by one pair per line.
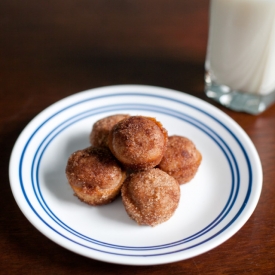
x,y
139,87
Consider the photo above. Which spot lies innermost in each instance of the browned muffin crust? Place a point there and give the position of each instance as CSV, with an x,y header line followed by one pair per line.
x,y
95,175
138,142
181,159
150,197
101,129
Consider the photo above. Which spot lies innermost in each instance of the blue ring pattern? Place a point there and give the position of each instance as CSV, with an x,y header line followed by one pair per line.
x,y
117,108
226,150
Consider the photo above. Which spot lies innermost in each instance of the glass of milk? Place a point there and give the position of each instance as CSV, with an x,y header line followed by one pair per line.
x,y
240,60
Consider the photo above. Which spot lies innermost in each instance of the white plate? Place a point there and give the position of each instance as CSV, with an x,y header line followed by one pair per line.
x,y
213,206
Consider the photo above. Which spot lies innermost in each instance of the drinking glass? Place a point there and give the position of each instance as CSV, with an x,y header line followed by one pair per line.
x,y
240,59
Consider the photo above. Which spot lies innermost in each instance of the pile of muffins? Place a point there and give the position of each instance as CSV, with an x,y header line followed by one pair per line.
x,y
133,156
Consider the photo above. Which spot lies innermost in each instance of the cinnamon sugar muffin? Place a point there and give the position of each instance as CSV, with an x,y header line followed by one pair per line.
x,y
150,197
101,129
138,142
181,159
95,175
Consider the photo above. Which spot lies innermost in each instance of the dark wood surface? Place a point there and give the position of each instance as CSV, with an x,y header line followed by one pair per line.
x,y
55,48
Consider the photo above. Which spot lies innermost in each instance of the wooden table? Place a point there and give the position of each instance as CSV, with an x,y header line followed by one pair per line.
x,y
52,49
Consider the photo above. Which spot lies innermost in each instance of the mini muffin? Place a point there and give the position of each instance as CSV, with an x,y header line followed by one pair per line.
x,y
150,197
95,175
181,159
138,142
101,129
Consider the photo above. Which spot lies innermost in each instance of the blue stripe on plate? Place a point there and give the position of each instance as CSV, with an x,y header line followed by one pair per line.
x,y
162,110
118,107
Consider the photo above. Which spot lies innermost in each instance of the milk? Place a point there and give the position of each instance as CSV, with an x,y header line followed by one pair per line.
x,y
241,45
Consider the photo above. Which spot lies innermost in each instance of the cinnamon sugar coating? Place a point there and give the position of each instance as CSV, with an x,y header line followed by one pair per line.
x,y
181,159
95,175
138,142
101,129
150,197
